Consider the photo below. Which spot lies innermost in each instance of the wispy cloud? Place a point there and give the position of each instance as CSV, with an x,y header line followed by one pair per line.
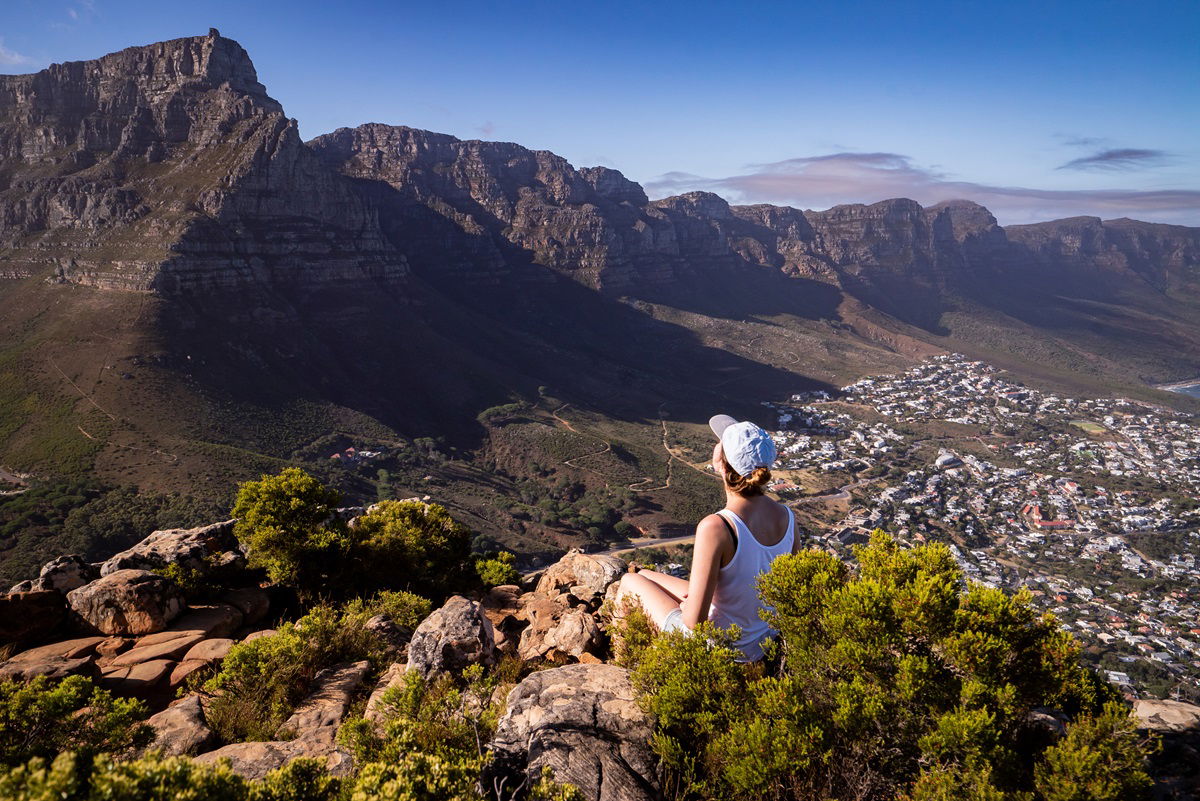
x,y
1124,158
11,58
487,129
838,178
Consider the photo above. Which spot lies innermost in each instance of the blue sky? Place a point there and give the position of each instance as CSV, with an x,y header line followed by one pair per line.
x,y
1037,110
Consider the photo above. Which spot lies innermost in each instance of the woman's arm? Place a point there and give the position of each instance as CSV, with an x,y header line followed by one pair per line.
x,y
712,543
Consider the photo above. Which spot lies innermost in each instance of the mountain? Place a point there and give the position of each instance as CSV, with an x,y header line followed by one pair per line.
x,y
190,293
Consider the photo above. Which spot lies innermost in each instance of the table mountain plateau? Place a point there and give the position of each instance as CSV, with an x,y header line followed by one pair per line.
x,y
190,291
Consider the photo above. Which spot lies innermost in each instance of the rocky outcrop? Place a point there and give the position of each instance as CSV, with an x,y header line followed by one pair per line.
x,y
127,602
584,723
256,760
180,729
326,705
586,576
192,549
451,638
66,573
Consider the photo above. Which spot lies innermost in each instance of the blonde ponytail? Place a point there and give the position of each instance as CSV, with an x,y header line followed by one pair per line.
x,y
747,486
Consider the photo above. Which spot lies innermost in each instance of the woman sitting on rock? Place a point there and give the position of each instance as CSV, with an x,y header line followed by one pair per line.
x,y
733,546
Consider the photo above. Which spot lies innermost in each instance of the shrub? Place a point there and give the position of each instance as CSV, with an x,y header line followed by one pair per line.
x,y
288,523
898,679
285,520
404,608
261,681
412,544
74,778
497,570
42,718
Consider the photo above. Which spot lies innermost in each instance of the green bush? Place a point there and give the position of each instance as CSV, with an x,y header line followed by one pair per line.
x,y
261,681
42,718
404,608
497,570
286,521
411,544
74,778
895,679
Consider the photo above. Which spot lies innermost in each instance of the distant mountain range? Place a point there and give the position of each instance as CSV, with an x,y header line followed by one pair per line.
x,y
182,276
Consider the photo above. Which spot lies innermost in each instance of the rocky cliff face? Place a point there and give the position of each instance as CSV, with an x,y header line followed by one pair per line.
x,y
168,167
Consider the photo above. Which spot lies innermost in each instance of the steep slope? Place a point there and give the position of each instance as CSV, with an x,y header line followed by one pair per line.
x,y
167,167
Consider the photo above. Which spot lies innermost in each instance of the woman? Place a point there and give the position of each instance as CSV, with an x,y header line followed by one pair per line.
x,y
733,546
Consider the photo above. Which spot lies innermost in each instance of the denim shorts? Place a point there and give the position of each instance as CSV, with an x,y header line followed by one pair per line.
x,y
674,622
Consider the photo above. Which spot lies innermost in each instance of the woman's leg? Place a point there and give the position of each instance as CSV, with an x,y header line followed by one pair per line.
x,y
676,587
657,602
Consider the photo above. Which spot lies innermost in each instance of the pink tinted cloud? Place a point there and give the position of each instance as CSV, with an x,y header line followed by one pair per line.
x,y
839,178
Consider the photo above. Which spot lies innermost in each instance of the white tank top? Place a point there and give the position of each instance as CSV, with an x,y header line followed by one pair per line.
x,y
736,601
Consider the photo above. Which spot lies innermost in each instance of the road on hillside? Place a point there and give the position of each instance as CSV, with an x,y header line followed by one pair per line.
x,y
651,542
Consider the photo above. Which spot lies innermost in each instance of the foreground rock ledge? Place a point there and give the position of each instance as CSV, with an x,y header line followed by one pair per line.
x,y
584,723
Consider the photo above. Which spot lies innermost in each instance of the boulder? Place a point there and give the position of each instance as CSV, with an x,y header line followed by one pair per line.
x,y
22,586
66,573
252,602
187,547
502,605
255,760
127,603
392,677
584,723
213,650
326,705
30,615
584,575
180,729
145,680
110,647
450,639
55,661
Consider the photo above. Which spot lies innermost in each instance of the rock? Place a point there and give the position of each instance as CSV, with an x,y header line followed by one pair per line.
x,y
173,649
127,602
392,677
187,547
209,620
213,650
30,615
252,602
450,639
1167,716
584,723
586,576
502,605
145,679
54,661
180,729
393,636
22,586
110,647
326,705
254,635
66,573
255,760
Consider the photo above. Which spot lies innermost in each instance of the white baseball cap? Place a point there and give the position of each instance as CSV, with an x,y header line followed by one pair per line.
x,y
746,446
